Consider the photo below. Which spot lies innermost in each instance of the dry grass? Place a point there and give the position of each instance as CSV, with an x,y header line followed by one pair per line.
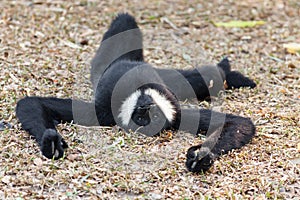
x,y
45,49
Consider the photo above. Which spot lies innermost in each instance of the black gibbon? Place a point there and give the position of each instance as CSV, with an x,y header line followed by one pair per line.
x,y
134,95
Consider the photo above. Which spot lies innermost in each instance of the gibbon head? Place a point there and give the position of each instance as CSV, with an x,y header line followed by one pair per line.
x,y
151,105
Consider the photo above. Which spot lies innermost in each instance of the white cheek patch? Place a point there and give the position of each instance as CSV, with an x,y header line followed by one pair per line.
x,y
128,107
163,103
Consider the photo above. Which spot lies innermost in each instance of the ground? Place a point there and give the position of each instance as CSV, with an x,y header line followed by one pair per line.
x,y
46,48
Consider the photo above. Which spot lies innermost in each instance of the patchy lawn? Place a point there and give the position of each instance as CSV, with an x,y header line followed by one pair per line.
x,y
45,50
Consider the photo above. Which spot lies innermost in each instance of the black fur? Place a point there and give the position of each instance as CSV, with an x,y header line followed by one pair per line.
x,y
121,65
235,132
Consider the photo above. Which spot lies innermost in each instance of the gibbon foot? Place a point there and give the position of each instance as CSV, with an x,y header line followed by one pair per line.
x,y
195,163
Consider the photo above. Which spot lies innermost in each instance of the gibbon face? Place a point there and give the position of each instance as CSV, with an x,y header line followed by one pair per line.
x,y
147,107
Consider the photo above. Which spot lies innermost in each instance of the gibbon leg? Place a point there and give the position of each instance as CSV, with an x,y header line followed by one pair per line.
x,y
224,132
40,115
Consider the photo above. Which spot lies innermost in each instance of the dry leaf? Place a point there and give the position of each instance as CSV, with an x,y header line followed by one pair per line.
x,y
292,65
239,24
295,161
292,47
38,162
6,179
73,157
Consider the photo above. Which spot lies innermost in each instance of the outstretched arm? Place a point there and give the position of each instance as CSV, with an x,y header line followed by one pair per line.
x,y
197,83
40,115
224,132
204,81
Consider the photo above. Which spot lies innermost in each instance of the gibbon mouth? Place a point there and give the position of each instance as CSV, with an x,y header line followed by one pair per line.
x,y
143,115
